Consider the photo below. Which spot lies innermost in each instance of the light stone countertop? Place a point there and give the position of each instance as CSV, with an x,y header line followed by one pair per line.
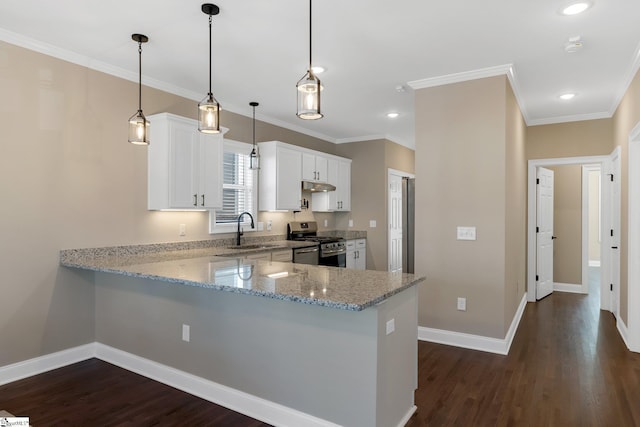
x,y
222,269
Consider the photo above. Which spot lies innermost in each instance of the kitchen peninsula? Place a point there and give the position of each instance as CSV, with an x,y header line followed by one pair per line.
x,y
290,344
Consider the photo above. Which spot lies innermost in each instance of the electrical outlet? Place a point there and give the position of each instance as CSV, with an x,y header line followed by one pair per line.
x,y
372,223
350,223
269,225
462,304
183,230
326,222
186,333
466,233
391,326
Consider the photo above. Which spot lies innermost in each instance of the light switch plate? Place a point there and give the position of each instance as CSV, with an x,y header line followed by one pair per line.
x,y
372,223
462,304
466,233
183,229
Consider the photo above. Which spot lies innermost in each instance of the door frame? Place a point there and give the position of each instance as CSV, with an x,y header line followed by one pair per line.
x,y
633,242
585,221
532,166
401,174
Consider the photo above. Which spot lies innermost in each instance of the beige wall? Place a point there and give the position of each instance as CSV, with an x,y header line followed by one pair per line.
x,y
567,224
515,207
461,146
371,161
574,139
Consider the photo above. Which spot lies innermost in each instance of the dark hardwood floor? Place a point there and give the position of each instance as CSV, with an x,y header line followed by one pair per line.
x,y
567,367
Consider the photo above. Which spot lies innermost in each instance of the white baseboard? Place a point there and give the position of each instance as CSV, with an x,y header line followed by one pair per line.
x,y
407,416
567,287
38,365
475,342
247,404
622,329
594,263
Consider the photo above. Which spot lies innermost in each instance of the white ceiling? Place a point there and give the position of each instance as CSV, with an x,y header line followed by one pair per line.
x,y
369,47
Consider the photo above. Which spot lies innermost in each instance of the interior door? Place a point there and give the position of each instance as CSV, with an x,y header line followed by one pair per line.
x,y
544,234
395,222
614,180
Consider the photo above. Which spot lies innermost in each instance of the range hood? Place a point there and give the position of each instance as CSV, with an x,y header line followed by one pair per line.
x,y
316,187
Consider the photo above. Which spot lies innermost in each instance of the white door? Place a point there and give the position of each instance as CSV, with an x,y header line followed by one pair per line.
x,y
395,222
614,232
544,233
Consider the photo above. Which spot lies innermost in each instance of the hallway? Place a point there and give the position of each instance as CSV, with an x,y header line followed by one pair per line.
x,y
567,366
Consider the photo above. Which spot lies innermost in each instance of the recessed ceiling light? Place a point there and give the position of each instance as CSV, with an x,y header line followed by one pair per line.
x,y
567,96
393,115
576,8
317,69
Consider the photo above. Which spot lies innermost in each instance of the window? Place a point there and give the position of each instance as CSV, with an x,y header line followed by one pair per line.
x,y
238,190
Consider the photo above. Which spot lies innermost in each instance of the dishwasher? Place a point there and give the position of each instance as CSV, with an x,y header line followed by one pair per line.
x,y
307,255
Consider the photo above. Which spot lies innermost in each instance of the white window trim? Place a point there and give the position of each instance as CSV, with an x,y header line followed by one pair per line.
x,y
232,227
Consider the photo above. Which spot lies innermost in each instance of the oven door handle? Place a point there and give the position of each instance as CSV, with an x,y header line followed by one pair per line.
x,y
337,252
307,251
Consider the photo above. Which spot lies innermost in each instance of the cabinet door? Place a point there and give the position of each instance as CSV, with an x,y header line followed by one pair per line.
x,y
263,256
327,202
210,171
343,186
284,255
308,167
288,179
183,144
321,169
351,253
361,254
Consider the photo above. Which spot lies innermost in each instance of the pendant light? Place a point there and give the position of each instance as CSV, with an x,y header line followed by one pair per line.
x,y
209,108
138,123
309,88
254,157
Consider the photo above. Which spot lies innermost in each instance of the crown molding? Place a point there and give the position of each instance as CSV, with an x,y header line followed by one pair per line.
x,y
573,118
464,76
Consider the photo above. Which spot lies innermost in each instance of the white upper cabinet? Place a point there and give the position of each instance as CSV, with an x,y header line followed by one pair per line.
x,y
184,165
338,174
280,177
314,167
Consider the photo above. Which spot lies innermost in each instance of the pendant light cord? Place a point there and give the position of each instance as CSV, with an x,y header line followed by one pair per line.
x,y
310,36
139,76
254,127
210,48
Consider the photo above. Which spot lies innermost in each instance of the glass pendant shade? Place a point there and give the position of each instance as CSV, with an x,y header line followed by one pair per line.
x,y
139,129
254,157
309,89
209,115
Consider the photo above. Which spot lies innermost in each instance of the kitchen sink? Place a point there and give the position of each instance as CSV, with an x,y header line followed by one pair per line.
x,y
254,246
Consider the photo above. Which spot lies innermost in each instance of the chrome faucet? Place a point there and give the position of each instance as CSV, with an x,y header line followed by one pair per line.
x,y
240,233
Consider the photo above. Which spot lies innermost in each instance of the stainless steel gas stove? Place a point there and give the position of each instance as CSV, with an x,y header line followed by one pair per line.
x,y
332,251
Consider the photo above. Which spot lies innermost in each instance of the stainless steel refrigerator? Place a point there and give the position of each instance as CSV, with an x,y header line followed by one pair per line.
x,y
408,223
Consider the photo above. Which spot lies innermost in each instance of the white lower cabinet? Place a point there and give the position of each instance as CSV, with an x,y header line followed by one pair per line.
x,y
184,165
357,254
263,256
282,255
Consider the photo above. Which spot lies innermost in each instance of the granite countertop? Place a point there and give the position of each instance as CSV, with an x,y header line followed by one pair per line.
x,y
216,268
